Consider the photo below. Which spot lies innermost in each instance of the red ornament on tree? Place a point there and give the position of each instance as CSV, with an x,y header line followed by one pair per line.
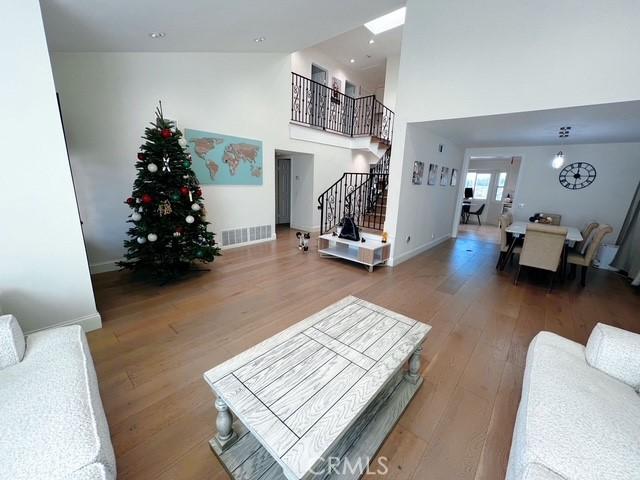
x,y
166,133
199,192
130,201
184,191
140,156
147,199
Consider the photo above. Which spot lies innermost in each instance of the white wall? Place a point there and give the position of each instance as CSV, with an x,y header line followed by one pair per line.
x,y
108,99
302,198
605,201
301,64
427,209
391,81
44,277
468,58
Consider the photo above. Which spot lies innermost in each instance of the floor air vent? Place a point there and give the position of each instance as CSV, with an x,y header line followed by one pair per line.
x,y
246,234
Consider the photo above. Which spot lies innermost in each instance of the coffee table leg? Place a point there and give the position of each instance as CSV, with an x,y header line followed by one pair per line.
x,y
225,435
413,375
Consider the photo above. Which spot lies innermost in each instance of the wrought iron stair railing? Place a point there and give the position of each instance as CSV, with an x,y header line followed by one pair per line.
x,y
317,105
361,196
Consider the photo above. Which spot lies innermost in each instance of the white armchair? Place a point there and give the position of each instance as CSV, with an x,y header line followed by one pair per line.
x,y
52,424
579,415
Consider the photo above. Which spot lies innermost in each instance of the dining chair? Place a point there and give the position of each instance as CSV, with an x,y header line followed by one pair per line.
x,y
555,217
542,248
505,240
464,213
576,258
586,232
478,212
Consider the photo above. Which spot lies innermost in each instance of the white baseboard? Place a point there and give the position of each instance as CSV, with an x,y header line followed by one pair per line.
x,y
102,267
305,228
88,323
393,261
229,247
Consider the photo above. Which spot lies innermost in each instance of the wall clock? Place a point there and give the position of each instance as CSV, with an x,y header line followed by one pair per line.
x,y
577,175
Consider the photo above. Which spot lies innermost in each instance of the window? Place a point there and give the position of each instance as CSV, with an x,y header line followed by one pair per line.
x,y
502,180
480,184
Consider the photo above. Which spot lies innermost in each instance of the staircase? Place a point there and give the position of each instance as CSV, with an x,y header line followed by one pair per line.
x,y
362,196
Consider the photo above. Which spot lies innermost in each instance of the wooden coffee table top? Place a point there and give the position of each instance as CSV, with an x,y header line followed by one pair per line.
x,y
299,391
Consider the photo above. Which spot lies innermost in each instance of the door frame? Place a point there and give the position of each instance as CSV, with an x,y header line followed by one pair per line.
x,y
279,161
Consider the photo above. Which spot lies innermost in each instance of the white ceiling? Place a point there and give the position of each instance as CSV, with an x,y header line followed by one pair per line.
x,y
369,58
606,123
202,25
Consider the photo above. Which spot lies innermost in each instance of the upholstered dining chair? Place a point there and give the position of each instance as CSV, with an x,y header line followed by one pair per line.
x,y
576,258
542,248
505,240
555,217
586,231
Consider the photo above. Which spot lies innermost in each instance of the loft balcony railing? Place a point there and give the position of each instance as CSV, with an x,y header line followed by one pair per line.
x,y
317,105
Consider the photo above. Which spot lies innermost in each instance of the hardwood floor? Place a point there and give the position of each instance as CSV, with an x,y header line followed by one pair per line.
x,y
157,342
483,233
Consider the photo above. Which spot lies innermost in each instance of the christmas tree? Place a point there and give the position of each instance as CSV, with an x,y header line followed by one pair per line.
x,y
168,231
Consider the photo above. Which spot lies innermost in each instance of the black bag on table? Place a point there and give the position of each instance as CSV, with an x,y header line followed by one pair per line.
x,y
349,230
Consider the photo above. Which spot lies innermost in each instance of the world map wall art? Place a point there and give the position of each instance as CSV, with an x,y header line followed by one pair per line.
x,y
224,160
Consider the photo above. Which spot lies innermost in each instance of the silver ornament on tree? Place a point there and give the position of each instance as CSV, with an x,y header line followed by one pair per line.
x,y
152,167
195,207
182,142
189,219
135,216
165,161
141,240
152,237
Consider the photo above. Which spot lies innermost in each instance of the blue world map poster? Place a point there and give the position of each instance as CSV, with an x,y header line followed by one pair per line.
x,y
224,160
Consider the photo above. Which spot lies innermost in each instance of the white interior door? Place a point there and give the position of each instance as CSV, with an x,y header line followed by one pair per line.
x,y
283,179
319,96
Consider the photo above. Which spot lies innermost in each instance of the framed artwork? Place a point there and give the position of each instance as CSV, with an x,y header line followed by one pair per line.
x,y
336,89
454,177
418,172
444,176
433,174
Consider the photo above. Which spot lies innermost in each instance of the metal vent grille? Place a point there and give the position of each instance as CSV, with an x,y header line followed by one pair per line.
x,y
246,234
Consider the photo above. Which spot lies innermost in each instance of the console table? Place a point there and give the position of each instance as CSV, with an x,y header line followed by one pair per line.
x,y
371,252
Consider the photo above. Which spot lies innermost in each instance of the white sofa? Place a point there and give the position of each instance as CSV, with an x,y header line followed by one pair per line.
x,y
579,415
52,424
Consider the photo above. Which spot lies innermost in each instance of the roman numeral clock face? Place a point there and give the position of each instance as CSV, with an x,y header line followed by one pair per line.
x,y
577,175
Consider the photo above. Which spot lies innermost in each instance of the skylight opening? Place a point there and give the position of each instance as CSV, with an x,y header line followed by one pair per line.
x,y
387,22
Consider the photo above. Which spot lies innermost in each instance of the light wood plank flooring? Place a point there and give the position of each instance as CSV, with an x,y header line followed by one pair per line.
x,y
157,342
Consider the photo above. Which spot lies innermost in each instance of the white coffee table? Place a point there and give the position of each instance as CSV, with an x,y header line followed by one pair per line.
x,y
323,392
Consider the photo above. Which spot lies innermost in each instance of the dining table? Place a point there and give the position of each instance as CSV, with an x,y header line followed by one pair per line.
x,y
519,229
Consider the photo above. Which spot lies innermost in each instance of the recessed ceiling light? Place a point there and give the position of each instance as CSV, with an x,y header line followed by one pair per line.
x,y
387,22
372,41
157,34
259,39
353,60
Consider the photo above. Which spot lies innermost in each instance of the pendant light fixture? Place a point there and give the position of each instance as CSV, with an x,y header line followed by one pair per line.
x,y
558,160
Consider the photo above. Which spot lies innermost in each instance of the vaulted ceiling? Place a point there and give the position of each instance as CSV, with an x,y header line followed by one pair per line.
x,y
202,25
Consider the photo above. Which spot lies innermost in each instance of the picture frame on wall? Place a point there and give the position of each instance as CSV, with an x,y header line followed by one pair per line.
x,y
336,89
418,173
444,176
433,174
454,177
